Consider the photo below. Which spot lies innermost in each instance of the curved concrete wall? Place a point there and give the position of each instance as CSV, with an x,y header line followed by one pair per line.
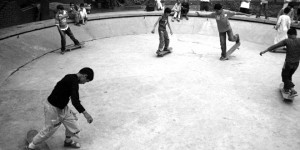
x,y
22,44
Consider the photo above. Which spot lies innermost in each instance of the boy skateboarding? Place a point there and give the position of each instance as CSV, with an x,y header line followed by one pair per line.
x,y
57,112
63,28
291,60
164,41
223,26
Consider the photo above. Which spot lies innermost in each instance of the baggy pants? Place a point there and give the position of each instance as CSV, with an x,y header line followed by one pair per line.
x,y
54,117
63,38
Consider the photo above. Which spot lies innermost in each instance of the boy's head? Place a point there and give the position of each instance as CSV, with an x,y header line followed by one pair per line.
x,y
292,32
60,8
286,10
178,1
72,4
86,75
218,8
167,10
291,5
81,5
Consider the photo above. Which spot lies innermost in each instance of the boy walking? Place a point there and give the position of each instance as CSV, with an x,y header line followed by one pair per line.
x,y
163,21
57,111
63,28
291,60
223,26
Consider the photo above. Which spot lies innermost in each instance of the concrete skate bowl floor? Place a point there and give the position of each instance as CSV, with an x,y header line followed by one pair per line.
x,y
185,100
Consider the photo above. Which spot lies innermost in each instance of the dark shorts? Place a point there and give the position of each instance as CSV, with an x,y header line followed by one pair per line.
x,y
245,10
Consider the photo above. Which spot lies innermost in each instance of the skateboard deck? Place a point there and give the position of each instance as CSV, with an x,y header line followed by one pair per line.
x,y
232,49
30,135
165,52
73,47
286,97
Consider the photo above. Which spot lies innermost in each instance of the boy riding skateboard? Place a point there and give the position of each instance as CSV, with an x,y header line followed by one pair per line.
x,y
223,26
57,112
164,40
291,60
63,28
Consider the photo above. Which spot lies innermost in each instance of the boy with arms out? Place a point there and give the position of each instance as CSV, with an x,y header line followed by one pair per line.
x,y
63,28
57,112
163,21
223,26
291,60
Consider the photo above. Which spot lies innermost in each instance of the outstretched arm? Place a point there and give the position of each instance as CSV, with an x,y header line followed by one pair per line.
x,y
280,44
206,14
153,31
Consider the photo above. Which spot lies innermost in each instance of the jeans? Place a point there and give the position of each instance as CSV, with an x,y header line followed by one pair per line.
x,y
163,40
231,37
287,72
63,38
263,7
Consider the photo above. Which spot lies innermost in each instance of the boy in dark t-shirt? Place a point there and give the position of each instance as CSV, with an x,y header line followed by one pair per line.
x,y
57,111
224,27
185,7
163,21
291,60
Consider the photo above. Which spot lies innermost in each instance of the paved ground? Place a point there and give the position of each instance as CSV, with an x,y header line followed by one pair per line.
x,y
186,100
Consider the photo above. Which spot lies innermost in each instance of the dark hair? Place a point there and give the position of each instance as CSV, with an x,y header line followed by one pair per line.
x,y
89,72
81,5
291,5
71,3
292,31
287,10
60,7
217,7
167,10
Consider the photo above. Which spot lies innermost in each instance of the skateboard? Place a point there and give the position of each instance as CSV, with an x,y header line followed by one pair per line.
x,y
286,97
164,52
232,49
74,47
30,135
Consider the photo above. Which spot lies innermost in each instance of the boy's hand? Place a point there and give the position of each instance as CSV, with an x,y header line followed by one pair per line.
x,y
88,117
171,32
262,53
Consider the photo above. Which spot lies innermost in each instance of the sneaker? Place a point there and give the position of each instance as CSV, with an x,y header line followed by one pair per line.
x,y
293,91
72,144
173,20
286,91
27,148
178,20
223,58
238,38
77,24
62,52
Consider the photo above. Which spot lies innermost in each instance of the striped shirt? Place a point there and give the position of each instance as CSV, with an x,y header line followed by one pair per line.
x,y
293,49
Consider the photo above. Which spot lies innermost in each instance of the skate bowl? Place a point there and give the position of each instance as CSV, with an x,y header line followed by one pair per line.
x,y
185,100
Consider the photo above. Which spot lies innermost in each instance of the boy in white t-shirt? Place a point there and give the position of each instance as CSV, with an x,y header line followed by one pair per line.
x,y
245,6
83,14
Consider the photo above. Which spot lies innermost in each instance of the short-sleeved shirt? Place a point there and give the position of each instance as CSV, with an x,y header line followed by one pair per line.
x,y
245,4
163,23
205,0
222,20
292,46
63,25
